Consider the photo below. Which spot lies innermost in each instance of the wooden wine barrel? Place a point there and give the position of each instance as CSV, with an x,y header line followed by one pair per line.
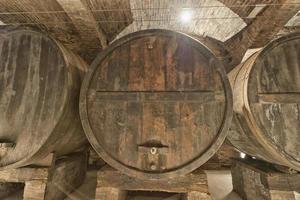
x,y
156,104
39,95
266,94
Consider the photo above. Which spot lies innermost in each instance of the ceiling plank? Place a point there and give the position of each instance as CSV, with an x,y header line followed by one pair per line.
x,y
84,21
244,8
38,14
239,7
83,26
288,30
261,30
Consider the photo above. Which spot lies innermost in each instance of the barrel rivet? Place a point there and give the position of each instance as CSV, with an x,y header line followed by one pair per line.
x,y
150,46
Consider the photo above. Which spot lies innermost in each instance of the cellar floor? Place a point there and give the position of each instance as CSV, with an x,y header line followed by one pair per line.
x,y
219,183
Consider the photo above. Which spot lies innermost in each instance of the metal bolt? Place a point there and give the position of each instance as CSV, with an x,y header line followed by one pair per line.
x,y
153,166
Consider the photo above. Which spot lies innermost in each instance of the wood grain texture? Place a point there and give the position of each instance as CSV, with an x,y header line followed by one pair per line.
x,y
116,12
39,91
156,103
107,193
196,196
255,180
209,17
217,47
266,103
65,175
85,23
244,7
260,31
34,190
24,174
71,22
9,189
223,158
62,32
110,178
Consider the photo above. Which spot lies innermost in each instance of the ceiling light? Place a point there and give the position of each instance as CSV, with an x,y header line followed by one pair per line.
x,y
242,155
186,16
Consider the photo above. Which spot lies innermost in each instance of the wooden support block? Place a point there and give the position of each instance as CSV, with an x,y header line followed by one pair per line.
x,y
7,189
84,22
34,190
257,180
282,195
66,174
106,193
24,174
194,195
196,181
34,178
113,183
87,190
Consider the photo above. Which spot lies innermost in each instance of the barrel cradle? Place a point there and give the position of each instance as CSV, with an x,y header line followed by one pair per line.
x,y
39,94
266,95
156,104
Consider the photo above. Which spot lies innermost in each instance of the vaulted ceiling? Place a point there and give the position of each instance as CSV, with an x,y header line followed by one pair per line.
x,y
87,26
208,17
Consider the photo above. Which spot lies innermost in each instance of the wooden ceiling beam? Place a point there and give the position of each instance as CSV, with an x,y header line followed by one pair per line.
x,y
243,8
237,6
289,29
261,30
84,21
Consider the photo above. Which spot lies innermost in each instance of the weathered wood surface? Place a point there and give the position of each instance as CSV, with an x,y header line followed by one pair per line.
x,y
87,190
266,92
217,47
150,98
255,180
288,30
39,92
34,179
7,189
114,184
223,158
282,195
66,175
34,190
243,8
24,174
94,159
71,22
107,193
261,30
85,23
196,196
195,181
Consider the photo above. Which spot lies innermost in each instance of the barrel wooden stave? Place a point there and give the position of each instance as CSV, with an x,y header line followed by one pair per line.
x,y
39,93
156,90
266,92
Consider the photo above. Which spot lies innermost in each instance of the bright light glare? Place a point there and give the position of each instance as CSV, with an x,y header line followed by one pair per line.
x,y
186,16
242,155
